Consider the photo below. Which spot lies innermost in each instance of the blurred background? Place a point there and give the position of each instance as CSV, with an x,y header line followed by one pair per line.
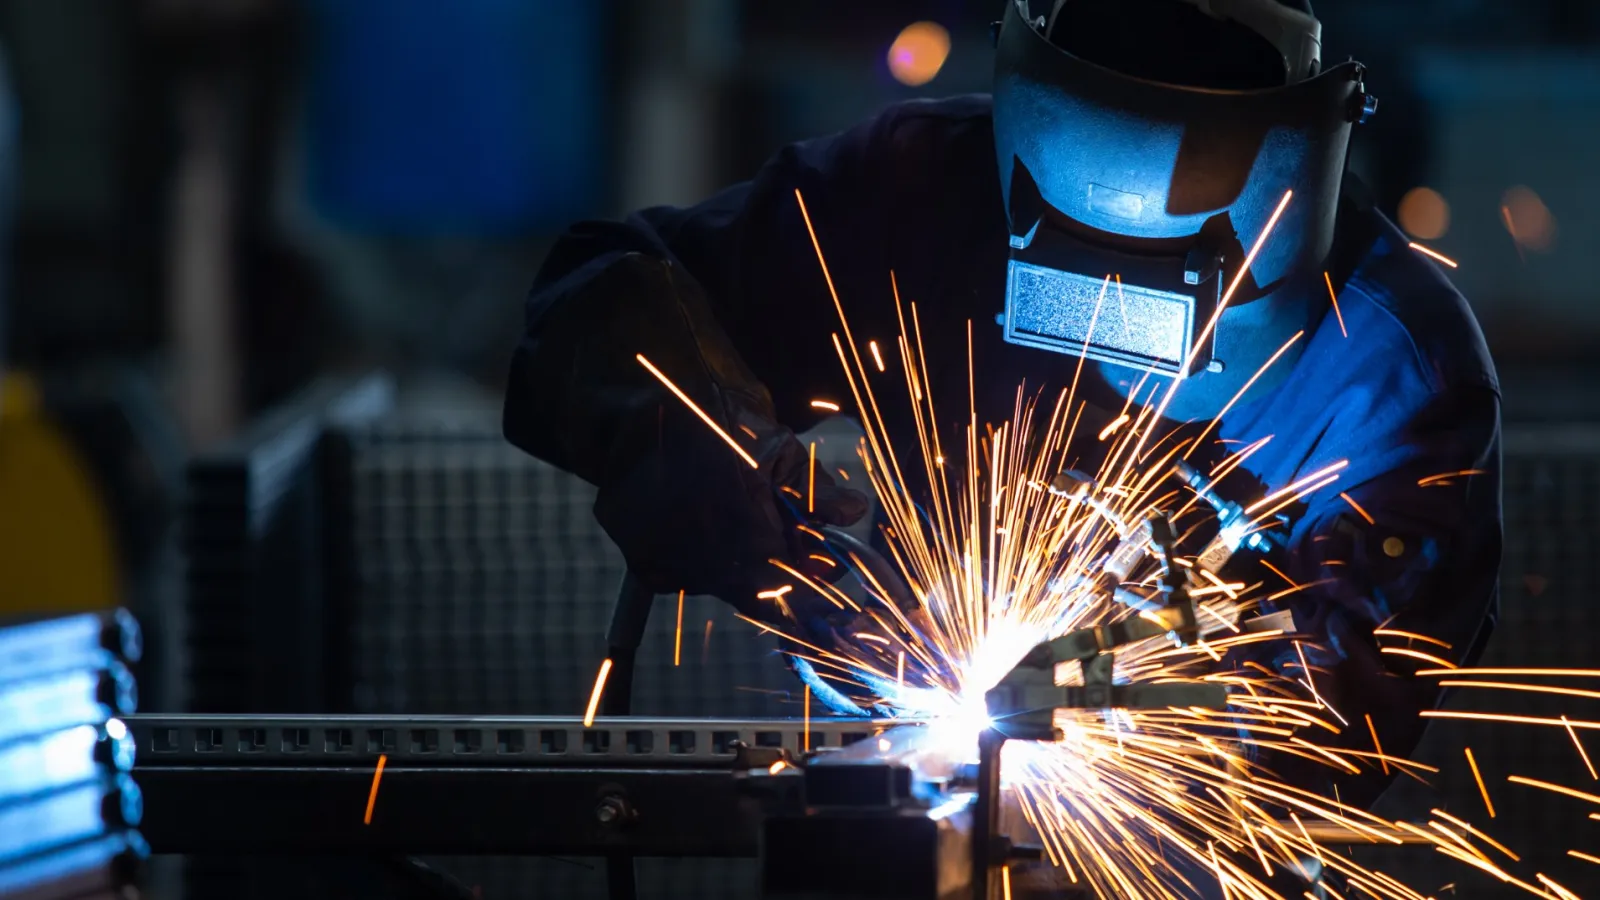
x,y
263,263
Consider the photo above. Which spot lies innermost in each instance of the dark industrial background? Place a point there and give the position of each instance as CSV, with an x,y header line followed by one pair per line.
x,y
263,267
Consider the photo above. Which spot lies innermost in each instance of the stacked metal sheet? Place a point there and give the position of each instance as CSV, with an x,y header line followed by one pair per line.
x,y
69,810
253,539
482,585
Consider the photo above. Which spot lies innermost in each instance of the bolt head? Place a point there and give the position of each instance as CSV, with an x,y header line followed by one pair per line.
x,y
610,810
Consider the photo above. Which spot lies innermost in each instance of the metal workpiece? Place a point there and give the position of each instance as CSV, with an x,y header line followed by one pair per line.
x,y
811,817
1024,702
1025,705
841,856
480,786
910,745
514,741
1088,643
864,804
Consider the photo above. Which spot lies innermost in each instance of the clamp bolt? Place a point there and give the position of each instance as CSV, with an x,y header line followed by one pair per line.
x,y
611,811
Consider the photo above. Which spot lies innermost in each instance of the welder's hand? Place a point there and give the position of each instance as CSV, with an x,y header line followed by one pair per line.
x,y
866,633
854,661
693,515
627,379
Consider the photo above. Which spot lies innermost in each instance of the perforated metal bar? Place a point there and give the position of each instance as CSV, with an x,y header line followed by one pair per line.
x,y
453,741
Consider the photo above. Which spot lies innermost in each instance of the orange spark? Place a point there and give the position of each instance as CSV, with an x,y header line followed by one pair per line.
x,y
1116,423
1435,254
1411,636
694,408
1476,833
594,695
1122,300
677,636
1553,885
776,767
1445,476
705,647
877,355
1502,717
806,733
1511,229
1530,688
1574,673
827,276
1415,654
1575,854
1581,752
1238,278
811,482
1334,296
1555,788
1357,507
1295,488
1482,788
825,404
1005,882
372,795
1261,241
1276,571
775,593
1373,729
900,670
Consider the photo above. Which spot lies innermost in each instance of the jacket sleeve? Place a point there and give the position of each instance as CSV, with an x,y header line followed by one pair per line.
x,y
1399,573
746,252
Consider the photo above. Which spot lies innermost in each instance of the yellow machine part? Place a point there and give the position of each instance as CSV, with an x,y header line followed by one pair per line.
x,y
58,549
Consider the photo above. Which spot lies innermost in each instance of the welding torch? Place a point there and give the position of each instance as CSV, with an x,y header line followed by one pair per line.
x,y
1234,524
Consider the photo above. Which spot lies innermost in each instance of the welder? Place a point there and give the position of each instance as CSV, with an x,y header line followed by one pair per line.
x,y
1149,141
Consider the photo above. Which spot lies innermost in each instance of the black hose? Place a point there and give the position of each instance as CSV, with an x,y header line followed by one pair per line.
x,y
628,622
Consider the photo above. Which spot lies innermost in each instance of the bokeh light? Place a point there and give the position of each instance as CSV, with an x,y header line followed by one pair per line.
x,y
918,53
1424,214
1528,220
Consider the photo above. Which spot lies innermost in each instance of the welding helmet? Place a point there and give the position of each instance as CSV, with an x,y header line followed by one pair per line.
x,y
1144,146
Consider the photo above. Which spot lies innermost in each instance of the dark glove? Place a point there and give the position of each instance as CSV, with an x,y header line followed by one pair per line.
x,y
692,515
687,511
